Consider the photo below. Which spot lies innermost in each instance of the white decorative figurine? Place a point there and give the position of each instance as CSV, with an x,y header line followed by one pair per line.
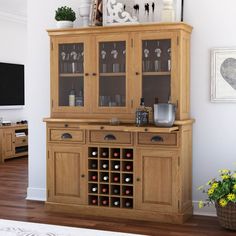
x,y
84,11
168,12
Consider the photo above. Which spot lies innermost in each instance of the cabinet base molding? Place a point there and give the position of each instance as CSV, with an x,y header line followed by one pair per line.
x,y
175,218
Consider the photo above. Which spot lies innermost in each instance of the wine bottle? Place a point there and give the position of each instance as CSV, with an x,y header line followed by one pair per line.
x,y
142,114
94,189
116,154
105,178
116,191
128,155
94,177
94,201
127,191
116,203
128,167
116,179
127,179
128,204
94,153
104,166
104,202
104,190
104,154
94,165
116,166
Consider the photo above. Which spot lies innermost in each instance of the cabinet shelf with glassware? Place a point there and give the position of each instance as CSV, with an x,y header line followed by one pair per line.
x,y
102,72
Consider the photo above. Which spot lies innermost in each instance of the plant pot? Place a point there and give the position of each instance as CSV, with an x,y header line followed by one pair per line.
x,y
64,24
227,215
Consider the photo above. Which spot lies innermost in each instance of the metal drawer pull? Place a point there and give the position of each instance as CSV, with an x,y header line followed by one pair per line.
x,y
109,137
157,139
66,136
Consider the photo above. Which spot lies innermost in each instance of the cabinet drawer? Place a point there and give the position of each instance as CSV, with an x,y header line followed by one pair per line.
x,y
117,137
157,139
21,141
66,135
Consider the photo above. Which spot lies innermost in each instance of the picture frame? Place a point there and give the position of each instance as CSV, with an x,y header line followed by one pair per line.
x,y
117,12
96,13
223,75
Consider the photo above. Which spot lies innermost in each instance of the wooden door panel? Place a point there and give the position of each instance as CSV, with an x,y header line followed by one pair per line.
x,y
9,147
158,175
66,171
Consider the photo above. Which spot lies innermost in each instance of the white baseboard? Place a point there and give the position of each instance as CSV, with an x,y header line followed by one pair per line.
x,y
205,211
36,194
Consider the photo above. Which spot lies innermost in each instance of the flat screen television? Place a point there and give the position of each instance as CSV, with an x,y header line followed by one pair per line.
x,y
12,86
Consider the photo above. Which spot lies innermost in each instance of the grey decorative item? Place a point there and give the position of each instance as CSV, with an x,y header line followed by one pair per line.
x,y
223,75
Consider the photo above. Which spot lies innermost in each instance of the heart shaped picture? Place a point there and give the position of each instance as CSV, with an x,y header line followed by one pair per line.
x,y
228,71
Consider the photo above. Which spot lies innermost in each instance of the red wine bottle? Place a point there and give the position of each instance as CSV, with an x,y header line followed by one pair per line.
x,y
94,201
128,167
94,165
128,155
116,154
127,191
128,204
104,190
104,154
104,202
94,177
116,179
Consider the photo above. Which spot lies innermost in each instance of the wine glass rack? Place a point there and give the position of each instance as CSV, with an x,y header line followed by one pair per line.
x,y
110,177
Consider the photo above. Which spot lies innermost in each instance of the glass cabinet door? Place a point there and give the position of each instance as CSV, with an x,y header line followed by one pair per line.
x,y
112,81
71,74
70,87
156,71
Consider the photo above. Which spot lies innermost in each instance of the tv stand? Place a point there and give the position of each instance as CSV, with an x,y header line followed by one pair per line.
x,y
13,141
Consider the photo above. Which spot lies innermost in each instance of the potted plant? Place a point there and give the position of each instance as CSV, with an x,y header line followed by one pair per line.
x,y
222,192
65,17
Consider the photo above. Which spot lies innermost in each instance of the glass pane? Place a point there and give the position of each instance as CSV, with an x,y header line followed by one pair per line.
x,y
71,69
156,55
156,87
112,74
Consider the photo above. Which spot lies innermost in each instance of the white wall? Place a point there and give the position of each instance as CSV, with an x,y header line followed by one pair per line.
x,y
214,131
13,43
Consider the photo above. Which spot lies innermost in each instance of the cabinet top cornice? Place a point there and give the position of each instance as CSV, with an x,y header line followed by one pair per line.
x,y
122,28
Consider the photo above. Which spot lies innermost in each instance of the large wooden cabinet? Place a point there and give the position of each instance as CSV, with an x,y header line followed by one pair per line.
x,y
97,167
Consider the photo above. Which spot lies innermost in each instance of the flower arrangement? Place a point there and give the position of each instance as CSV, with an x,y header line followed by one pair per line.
x,y
222,190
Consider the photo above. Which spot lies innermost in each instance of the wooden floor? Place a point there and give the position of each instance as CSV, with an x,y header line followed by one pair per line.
x,y
13,206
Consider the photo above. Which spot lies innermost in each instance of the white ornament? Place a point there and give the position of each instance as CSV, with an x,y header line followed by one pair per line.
x,y
84,11
168,12
115,14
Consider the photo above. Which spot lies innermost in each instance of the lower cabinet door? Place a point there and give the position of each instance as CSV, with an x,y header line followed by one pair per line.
x,y
156,185
9,143
66,179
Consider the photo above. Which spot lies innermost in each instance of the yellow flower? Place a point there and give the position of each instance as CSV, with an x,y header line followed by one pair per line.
x,y
210,191
234,176
231,196
234,187
224,171
223,202
200,204
225,177
214,185
209,182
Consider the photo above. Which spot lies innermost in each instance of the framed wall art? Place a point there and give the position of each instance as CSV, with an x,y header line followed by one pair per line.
x,y
223,75
137,11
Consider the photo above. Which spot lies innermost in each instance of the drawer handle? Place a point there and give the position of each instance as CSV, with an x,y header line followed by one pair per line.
x,y
157,139
110,137
66,136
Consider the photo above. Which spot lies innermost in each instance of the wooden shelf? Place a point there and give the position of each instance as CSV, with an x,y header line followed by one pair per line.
x,y
112,74
66,75
156,73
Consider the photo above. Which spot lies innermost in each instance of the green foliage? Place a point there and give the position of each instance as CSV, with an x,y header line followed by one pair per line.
x,y
222,190
65,13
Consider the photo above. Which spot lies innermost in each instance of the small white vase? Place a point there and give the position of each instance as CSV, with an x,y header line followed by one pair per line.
x,y
64,24
84,11
168,11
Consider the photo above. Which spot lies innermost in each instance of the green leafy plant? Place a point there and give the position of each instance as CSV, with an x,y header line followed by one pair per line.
x,y
221,190
65,13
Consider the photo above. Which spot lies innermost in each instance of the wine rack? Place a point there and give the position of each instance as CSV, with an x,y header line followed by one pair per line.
x,y
110,172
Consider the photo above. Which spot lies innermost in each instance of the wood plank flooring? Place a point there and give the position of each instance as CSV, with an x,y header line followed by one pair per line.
x,y
14,206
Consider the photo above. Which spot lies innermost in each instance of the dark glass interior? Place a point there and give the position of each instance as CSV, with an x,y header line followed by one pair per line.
x,y
71,69
112,79
156,55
